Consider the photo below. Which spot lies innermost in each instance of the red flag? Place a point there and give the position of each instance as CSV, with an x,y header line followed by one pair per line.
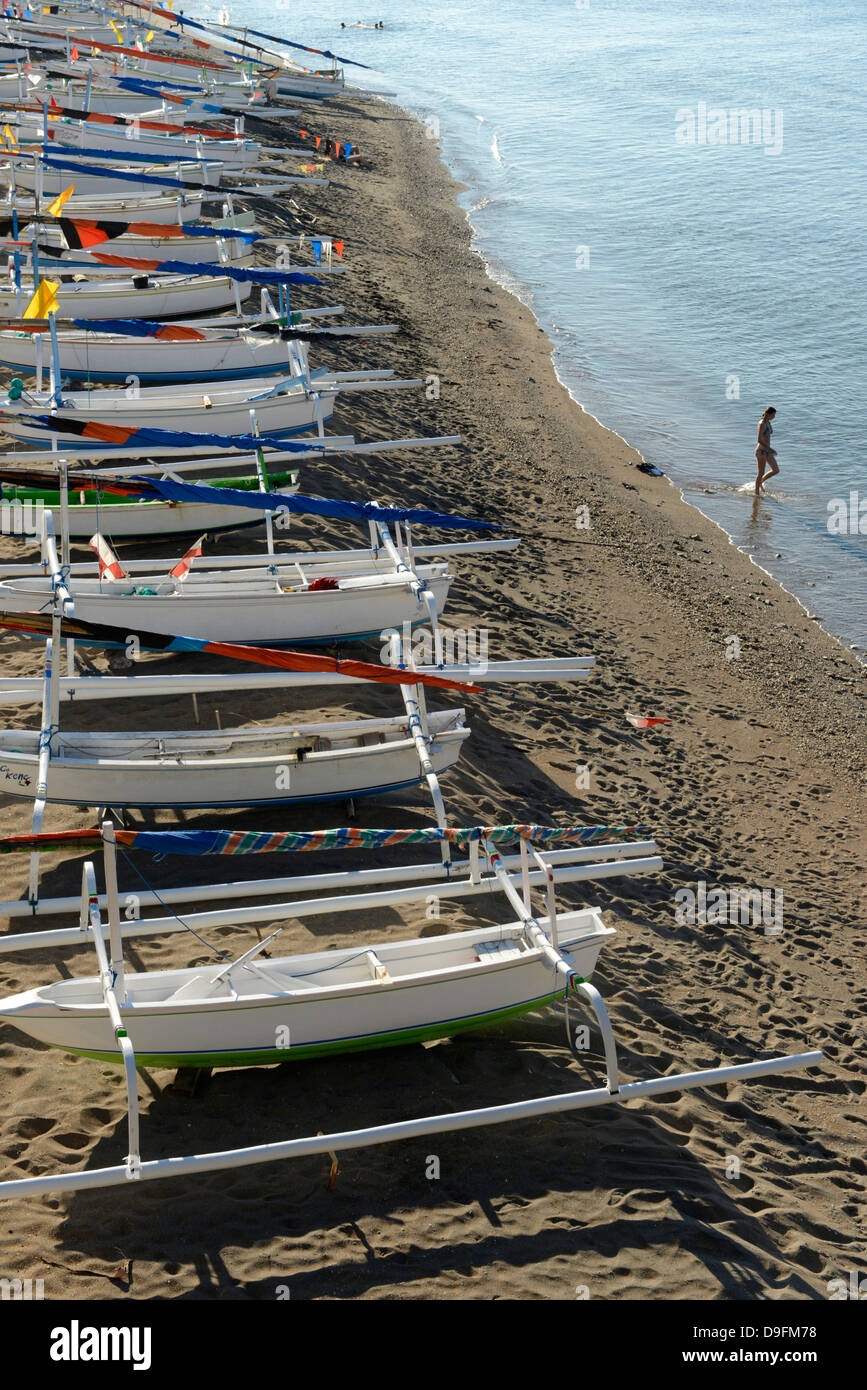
x,y
640,721
74,54
304,135
110,567
338,246
337,149
184,565
318,139
85,233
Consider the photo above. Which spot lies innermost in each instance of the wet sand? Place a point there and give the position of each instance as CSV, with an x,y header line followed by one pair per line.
x,y
755,782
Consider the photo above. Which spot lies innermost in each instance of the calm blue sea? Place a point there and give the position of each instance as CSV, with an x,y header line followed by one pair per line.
x,y
691,264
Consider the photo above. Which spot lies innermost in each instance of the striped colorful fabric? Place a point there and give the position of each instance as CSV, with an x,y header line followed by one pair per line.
x,y
300,841
294,841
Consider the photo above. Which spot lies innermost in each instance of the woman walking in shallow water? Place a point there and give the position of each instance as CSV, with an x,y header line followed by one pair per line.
x,y
766,457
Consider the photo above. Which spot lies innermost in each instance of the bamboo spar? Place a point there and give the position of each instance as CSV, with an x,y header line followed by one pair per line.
x,y
568,866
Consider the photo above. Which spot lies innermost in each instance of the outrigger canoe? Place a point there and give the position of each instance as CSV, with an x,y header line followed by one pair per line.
x,y
123,517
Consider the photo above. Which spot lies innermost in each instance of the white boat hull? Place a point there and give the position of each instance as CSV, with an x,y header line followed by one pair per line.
x,y
234,154
102,357
168,297
51,182
219,609
149,248
164,408
144,520
282,1010
214,769
119,207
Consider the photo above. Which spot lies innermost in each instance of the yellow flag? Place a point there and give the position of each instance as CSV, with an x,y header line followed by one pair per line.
x,y
9,137
56,208
149,35
43,302
116,30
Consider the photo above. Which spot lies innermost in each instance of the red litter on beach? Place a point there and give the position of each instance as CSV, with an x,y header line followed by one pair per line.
x,y
645,721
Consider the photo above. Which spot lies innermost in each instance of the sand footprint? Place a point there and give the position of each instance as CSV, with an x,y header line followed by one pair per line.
x,y
34,1125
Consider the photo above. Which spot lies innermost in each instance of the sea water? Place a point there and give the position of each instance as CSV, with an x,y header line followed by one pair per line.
x,y
678,192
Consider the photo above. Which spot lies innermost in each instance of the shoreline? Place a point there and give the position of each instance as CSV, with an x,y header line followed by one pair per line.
x,y
496,268
755,782
614,449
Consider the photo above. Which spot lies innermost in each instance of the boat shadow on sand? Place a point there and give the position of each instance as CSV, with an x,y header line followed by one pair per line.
x,y
380,1221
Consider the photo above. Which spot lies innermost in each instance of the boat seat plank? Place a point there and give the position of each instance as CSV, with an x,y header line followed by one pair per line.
x,y
510,949
377,970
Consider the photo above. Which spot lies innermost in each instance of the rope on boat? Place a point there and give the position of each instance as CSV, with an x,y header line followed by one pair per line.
x,y
170,911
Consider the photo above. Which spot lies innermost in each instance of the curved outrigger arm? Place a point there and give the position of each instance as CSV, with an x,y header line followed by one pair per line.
x,y
111,974
62,607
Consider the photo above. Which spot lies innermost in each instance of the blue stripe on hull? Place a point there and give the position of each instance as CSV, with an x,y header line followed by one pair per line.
x,y
272,801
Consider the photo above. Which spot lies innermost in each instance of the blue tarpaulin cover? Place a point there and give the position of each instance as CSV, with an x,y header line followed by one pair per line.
x,y
77,167
249,274
126,156
129,328
174,491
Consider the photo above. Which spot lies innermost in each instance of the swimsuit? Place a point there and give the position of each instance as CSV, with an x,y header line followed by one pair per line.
x,y
765,449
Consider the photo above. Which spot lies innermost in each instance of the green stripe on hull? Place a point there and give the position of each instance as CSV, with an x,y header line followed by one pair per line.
x,y
50,498
266,1056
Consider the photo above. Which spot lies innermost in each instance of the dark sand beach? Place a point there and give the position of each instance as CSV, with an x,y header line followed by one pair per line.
x,y
757,781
